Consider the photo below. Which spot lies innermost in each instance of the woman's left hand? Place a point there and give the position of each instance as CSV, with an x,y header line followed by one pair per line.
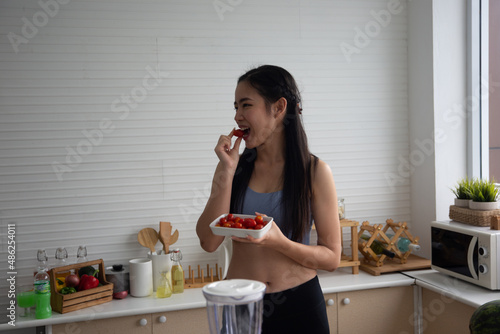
x,y
272,237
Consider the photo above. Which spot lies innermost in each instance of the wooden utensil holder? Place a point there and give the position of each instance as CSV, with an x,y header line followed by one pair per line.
x,y
80,299
379,232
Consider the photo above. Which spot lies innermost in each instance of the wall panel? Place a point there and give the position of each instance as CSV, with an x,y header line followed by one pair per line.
x,y
110,111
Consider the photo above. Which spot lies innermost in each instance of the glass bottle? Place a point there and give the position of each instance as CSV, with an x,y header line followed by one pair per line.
x,y
42,259
81,254
376,246
177,271
164,289
341,206
43,309
405,244
61,260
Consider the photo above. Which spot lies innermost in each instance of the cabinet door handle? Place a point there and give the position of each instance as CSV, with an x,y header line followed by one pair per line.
x,y
330,302
162,319
346,301
143,322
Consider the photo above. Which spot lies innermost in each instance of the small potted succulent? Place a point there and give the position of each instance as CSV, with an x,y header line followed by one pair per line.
x,y
484,195
463,192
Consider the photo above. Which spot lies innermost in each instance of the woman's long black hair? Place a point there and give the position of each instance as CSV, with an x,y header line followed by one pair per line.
x,y
273,83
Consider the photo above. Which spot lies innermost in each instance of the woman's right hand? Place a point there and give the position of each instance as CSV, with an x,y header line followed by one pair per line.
x,y
228,156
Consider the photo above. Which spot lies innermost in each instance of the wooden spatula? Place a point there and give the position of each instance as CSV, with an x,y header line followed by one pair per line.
x,y
165,230
148,237
174,237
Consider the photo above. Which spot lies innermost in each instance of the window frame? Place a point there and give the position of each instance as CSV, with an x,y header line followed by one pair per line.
x,y
478,89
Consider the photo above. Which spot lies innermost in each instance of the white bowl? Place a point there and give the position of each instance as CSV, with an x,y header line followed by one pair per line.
x,y
241,232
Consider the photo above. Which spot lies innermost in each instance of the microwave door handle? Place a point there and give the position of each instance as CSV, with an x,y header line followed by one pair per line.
x,y
470,257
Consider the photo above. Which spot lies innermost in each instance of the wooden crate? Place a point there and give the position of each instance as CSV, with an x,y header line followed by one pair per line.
x,y
81,299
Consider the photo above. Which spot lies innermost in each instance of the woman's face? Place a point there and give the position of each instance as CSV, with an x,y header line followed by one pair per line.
x,y
259,123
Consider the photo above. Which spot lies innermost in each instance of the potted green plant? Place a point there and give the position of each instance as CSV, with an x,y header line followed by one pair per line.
x,y
463,192
484,195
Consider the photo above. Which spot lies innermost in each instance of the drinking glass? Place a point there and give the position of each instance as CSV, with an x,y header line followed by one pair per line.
x,y
26,300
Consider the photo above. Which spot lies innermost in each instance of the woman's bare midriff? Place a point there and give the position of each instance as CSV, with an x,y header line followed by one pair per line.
x,y
260,263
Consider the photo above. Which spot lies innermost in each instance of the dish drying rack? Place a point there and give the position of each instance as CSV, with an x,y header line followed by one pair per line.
x,y
200,280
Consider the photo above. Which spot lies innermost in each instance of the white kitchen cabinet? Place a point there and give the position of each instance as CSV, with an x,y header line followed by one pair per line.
x,y
442,314
134,324
383,310
183,321
192,321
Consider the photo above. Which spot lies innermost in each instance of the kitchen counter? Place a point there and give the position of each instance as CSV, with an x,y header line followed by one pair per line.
x,y
342,280
339,281
454,288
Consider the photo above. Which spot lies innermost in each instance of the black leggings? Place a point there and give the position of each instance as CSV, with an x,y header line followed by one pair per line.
x,y
300,309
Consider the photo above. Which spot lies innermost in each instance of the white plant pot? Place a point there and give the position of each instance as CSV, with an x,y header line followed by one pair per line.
x,y
463,203
485,206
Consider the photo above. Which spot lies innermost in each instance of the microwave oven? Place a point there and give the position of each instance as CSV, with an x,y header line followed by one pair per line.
x,y
467,252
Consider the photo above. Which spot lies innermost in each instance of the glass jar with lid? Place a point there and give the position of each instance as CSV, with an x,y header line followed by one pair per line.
x,y
341,206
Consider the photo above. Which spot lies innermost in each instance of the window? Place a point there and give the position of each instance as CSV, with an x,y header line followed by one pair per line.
x,y
494,81
484,89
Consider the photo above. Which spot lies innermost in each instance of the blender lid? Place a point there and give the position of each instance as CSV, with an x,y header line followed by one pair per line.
x,y
234,291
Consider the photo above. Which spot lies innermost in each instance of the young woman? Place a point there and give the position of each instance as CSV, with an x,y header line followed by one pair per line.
x,y
277,176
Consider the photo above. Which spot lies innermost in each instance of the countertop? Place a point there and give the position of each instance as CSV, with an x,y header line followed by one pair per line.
x,y
339,281
457,289
342,280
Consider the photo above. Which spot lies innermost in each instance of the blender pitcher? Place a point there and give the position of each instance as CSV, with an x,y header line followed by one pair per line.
x,y
235,306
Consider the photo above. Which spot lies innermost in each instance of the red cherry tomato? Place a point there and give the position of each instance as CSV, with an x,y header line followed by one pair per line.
x,y
238,133
232,221
249,223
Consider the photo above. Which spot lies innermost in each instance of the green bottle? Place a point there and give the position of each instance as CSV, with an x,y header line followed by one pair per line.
x,y
377,246
43,310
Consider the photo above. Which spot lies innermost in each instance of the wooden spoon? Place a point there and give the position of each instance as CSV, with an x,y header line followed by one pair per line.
x,y
165,230
148,237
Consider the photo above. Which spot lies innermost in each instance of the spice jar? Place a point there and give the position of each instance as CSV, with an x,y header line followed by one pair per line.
x,y
341,205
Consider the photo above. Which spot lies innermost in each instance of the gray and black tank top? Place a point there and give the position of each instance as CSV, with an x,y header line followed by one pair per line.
x,y
269,204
